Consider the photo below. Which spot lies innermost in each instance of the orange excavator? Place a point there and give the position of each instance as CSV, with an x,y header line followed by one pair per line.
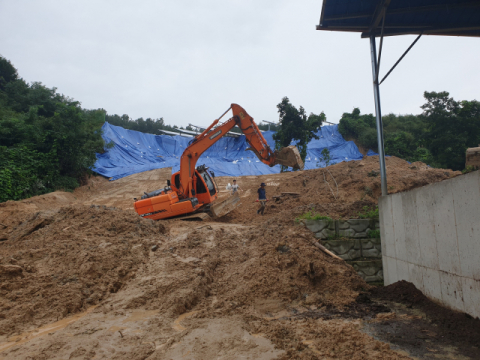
x,y
193,189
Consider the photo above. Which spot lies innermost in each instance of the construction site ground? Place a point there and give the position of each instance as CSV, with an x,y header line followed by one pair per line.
x,y
82,276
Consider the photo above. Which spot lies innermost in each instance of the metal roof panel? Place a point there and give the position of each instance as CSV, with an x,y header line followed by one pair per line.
x,y
430,17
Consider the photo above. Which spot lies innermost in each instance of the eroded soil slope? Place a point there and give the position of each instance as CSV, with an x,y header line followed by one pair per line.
x,y
83,277
340,190
57,263
188,290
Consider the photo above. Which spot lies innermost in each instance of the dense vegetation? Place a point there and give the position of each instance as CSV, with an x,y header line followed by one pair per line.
x,y
439,136
153,126
47,141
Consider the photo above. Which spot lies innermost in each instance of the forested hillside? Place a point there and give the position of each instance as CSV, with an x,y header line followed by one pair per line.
x,y
47,141
153,126
439,136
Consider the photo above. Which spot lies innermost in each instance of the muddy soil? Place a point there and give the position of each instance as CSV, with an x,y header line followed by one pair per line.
x,y
58,263
425,327
83,277
338,191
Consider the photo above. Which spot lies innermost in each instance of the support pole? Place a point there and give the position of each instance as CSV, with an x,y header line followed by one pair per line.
x,y
378,113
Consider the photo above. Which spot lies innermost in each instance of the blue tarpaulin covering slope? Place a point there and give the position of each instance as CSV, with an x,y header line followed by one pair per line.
x,y
134,152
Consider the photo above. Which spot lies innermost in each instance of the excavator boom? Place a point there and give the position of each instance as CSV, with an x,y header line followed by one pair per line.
x,y
288,156
193,188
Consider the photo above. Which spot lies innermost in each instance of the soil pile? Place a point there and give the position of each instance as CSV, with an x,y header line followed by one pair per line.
x,y
58,263
241,267
241,286
340,190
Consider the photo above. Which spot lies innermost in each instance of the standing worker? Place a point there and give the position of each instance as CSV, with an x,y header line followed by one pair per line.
x,y
235,187
262,197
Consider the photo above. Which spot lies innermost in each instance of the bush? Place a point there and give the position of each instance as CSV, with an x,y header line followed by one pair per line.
x,y
310,215
468,169
369,213
25,173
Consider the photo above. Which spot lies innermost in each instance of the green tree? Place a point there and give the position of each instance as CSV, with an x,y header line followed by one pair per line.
x,y
48,141
452,127
438,137
8,73
326,157
295,125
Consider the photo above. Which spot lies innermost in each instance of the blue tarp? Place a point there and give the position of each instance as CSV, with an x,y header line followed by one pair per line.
x,y
134,152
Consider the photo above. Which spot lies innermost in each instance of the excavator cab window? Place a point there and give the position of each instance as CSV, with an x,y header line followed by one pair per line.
x,y
209,182
201,189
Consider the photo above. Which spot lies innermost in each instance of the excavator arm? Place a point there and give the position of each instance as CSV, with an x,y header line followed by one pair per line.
x,y
287,156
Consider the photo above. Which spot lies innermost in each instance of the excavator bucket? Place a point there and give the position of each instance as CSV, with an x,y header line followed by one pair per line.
x,y
290,156
224,207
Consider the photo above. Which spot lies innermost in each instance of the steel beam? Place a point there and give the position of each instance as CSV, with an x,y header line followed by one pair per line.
x,y
378,113
414,30
379,15
398,61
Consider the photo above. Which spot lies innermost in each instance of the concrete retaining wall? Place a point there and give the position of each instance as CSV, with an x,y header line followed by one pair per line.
x,y
431,237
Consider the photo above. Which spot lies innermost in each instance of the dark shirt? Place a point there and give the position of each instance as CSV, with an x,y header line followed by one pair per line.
x,y
261,194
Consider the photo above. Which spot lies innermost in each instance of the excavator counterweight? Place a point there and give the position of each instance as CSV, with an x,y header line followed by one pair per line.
x,y
193,188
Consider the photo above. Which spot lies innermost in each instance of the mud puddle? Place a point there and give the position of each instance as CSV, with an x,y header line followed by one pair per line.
x,y
176,324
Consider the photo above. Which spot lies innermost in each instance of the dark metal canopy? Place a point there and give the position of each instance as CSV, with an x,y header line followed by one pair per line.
x,y
379,18
402,17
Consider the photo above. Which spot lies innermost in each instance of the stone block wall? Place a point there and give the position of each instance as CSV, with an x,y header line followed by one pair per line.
x,y
353,228
349,239
354,249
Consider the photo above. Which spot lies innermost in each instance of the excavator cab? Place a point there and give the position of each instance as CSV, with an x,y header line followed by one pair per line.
x,y
164,203
204,188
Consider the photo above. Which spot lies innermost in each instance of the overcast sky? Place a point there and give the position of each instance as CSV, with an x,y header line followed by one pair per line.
x,y
187,60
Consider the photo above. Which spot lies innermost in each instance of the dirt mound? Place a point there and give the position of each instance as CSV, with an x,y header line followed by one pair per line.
x,y
243,285
242,266
12,213
279,261
58,263
401,291
340,190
